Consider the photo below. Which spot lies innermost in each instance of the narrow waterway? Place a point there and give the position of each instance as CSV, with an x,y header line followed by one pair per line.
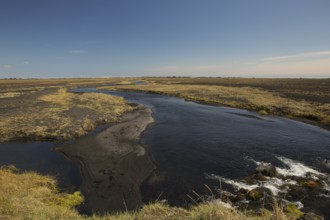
x,y
193,144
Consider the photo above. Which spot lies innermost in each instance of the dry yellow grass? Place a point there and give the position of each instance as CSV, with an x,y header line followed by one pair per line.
x,y
9,94
29,195
58,114
32,196
9,85
240,97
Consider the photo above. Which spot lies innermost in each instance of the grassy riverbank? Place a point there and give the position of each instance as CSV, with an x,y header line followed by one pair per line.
x,y
29,195
55,113
306,100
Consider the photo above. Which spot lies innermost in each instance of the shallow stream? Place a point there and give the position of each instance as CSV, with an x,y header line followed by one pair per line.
x,y
194,144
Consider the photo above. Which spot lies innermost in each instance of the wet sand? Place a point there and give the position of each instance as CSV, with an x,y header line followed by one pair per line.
x,y
114,163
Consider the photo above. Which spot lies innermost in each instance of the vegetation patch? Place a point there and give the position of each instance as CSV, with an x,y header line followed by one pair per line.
x,y
293,211
28,195
9,94
57,114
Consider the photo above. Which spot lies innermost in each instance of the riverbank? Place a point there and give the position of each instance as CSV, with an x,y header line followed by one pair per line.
x,y
245,97
56,114
114,163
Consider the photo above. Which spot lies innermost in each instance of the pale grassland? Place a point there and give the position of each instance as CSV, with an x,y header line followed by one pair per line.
x,y
124,82
10,85
59,115
240,97
28,195
9,94
32,196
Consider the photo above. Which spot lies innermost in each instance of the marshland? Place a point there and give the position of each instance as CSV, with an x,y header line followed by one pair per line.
x,y
169,110
177,146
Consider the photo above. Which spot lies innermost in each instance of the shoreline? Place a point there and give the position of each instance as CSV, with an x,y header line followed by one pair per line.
x,y
218,104
113,163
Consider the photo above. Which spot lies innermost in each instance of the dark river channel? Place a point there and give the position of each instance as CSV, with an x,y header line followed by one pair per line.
x,y
193,144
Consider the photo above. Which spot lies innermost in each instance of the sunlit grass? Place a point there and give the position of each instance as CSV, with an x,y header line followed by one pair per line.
x,y
32,196
9,94
60,114
9,85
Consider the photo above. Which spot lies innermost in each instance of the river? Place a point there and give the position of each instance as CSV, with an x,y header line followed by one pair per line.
x,y
193,144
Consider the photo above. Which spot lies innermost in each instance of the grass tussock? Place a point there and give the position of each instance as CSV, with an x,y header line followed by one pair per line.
x,y
58,114
32,196
28,195
265,102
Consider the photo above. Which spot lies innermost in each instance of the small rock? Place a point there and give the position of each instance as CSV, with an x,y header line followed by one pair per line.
x,y
239,197
250,180
260,177
242,190
253,195
226,196
296,192
266,169
258,193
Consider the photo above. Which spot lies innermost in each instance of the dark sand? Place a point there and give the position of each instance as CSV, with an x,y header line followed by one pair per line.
x,y
114,163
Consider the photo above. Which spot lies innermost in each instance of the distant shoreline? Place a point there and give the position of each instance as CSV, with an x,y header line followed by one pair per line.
x,y
304,100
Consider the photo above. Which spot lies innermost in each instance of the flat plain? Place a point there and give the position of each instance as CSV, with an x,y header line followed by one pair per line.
x,y
45,109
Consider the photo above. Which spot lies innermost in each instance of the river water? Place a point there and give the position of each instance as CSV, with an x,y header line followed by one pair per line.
x,y
194,144
42,158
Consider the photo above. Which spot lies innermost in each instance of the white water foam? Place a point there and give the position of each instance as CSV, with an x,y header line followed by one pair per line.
x,y
273,184
326,163
254,161
327,184
324,195
295,168
276,185
235,184
298,204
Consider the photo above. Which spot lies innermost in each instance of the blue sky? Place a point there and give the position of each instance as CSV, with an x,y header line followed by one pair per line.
x,y
92,38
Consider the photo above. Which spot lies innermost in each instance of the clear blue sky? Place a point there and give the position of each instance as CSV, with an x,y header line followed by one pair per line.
x,y
73,38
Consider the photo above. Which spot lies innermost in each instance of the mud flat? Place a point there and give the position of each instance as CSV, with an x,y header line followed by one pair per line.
x,y
114,163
